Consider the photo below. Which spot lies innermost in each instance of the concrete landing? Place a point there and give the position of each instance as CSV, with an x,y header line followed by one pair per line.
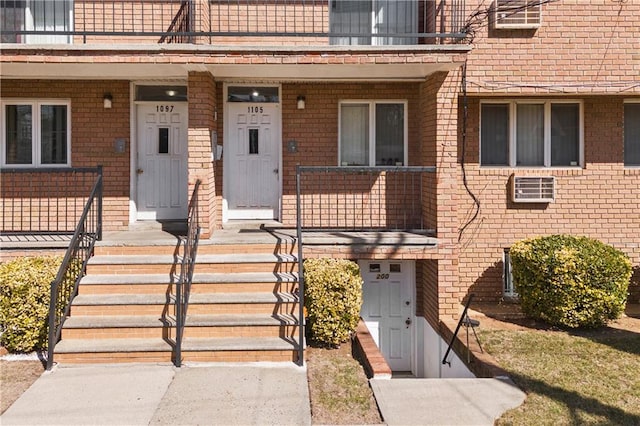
x,y
146,394
445,401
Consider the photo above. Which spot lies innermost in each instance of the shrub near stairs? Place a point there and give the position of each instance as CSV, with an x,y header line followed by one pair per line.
x,y
25,285
333,296
570,281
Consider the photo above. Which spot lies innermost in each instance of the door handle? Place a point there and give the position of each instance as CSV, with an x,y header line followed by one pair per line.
x,y
139,171
276,171
408,322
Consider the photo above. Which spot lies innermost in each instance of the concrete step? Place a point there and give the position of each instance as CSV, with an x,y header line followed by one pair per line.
x,y
251,282
199,303
230,349
169,247
208,263
93,327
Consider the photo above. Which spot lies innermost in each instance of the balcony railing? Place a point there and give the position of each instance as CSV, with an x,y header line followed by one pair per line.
x,y
233,22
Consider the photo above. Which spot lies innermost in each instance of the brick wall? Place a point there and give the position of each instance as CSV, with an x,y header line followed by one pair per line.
x,y
93,133
585,51
601,200
202,107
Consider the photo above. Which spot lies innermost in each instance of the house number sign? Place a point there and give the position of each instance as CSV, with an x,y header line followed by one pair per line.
x,y
255,109
382,276
164,108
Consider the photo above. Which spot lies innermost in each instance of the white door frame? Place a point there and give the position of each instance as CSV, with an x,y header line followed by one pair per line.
x,y
133,138
226,126
408,266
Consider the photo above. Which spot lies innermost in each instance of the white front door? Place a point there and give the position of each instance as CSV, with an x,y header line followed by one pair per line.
x,y
162,161
387,308
252,160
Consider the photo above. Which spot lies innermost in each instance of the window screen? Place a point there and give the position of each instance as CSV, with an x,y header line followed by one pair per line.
x,y
495,135
632,134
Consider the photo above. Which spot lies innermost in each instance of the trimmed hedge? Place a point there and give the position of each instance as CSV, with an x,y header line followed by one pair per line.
x,y
25,285
570,281
333,297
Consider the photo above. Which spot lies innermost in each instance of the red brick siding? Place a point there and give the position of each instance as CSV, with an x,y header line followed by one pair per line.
x,y
93,133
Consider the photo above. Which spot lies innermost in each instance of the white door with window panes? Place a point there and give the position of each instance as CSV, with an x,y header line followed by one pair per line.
x,y
162,161
388,309
373,133
251,160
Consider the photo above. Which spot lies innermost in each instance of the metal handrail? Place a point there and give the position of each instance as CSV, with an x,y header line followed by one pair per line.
x,y
455,334
149,19
301,323
65,286
183,287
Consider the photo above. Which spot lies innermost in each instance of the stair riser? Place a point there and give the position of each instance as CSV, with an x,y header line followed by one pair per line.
x,y
169,333
107,269
112,357
201,288
284,248
188,356
240,356
227,308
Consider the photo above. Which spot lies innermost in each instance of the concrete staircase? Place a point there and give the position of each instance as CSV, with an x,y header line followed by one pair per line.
x,y
243,305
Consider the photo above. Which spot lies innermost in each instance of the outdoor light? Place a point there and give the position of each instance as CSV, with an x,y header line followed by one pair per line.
x,y
171,93
107,99
301,102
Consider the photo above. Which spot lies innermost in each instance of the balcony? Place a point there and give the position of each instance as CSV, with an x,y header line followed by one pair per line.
x,y
233,22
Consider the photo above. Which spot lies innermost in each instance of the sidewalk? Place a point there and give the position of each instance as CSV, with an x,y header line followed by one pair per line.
x,y
144,394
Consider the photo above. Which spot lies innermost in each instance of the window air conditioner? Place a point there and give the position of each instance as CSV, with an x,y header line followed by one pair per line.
x,y
517,14
533,189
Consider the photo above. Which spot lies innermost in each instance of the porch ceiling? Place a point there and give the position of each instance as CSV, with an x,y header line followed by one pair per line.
x,y
283,64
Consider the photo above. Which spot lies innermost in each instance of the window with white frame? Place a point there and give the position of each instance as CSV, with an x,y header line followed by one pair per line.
x,y
36,133
508,288
373,133
531,133
632,133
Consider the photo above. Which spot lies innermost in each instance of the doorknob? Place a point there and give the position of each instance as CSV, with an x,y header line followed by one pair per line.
x,y
407,303
139,171
408,322
276,171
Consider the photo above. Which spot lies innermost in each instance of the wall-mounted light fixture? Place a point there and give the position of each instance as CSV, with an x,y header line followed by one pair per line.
x,y
107,99
301,102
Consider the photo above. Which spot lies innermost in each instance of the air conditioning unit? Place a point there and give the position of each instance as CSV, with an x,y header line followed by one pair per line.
x,y
517,14
533,189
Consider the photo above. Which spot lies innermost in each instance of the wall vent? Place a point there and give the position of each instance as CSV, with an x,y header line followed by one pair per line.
x,y
517,14
533,189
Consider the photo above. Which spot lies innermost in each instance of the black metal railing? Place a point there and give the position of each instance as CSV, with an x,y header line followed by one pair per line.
x,y
463,319
45,200
365,198
383,22
183,286
65,286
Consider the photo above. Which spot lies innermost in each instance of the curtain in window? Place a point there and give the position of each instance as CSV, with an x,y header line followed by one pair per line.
x,y
632,134
389,134
530,135
18,134
53,134
47,15
354,135
395,17
565,137
350,17
495,135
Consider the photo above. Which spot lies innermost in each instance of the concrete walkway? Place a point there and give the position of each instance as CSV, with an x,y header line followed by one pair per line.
x,y
445,401
144,394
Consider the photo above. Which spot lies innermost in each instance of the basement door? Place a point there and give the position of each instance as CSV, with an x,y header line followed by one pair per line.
x,y
162,161
387,309
252,160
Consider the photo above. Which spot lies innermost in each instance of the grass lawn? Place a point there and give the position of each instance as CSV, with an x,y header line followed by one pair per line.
x,y
581,378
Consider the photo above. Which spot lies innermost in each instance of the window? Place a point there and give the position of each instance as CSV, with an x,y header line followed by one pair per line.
x,y
355,22
36,15
373,133
507,277
36,133
632,134
531,133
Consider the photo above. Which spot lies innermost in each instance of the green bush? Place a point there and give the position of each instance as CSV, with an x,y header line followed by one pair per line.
x,y
24,302
333,297
570,281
